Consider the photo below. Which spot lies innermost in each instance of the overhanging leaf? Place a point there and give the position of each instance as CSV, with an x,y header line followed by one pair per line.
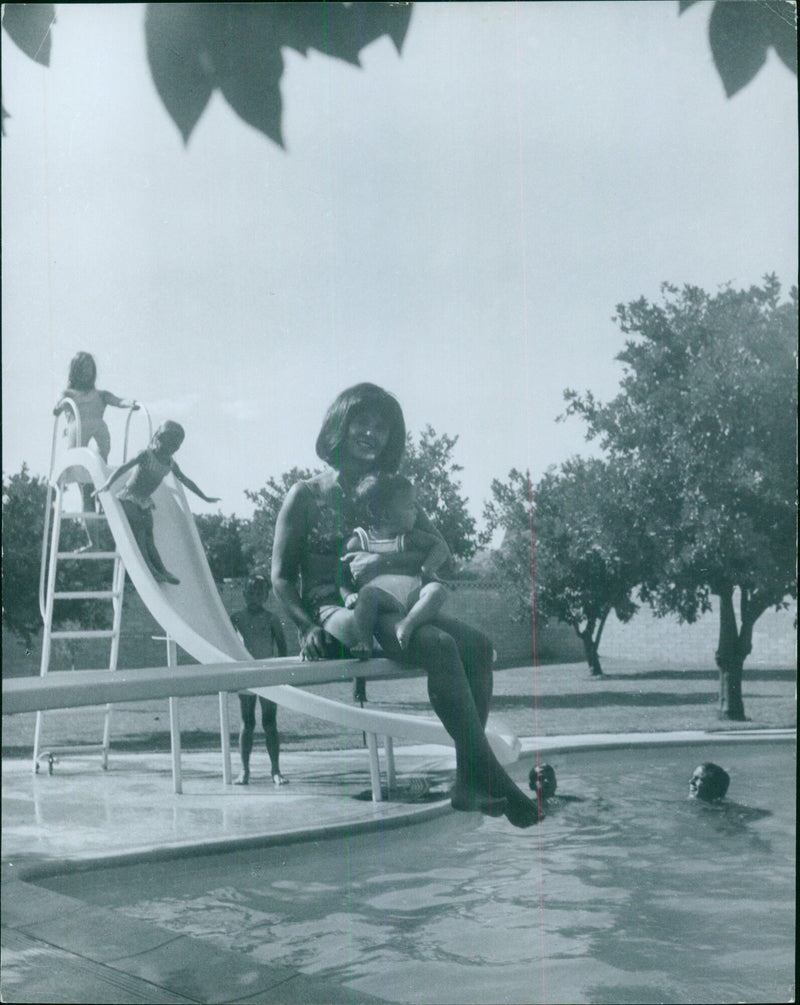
x,y
782,17
195,48
685,5
739,33
28,26
246,57
180,64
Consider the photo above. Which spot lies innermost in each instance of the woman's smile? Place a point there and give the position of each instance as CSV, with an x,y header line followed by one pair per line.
x,y
367,437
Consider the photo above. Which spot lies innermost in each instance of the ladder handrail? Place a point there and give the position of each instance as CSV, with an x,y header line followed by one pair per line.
x,y
67,402
131,410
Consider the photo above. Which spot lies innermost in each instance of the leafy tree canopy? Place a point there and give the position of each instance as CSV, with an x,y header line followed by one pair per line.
x,y
222,541
24,498
430,466
704,429
568,551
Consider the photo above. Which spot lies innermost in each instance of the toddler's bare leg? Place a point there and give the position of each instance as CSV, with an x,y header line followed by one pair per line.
x,y
431,599
371,603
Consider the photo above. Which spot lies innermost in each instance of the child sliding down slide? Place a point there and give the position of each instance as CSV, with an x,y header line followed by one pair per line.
x,y
152,465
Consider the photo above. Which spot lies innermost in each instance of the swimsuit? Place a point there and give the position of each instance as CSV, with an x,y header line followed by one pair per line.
x,y
90,406
329,517
404,588
149,474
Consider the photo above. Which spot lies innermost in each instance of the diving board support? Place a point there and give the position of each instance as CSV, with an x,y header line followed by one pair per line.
x,y
174,723
225,737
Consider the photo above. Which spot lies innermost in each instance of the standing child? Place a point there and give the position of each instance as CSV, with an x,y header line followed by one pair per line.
x,y
90,405
262,634
388,507
152,465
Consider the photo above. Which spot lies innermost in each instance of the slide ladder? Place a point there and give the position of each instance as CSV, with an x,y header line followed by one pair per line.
x,y
49,595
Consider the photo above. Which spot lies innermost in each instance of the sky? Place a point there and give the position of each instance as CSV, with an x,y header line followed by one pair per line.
x,y
456,223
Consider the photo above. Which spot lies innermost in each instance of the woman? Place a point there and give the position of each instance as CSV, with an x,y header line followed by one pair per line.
x,y
364,433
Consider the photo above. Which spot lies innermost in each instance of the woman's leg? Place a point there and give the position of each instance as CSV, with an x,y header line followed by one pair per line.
x,y
481,781
477,657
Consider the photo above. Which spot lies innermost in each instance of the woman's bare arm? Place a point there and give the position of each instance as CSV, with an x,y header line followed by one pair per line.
x,y
291,532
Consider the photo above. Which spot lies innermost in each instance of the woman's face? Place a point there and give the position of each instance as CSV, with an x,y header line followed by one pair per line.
x,y
367,436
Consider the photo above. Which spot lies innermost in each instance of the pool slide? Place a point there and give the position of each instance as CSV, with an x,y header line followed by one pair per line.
x,y
192,613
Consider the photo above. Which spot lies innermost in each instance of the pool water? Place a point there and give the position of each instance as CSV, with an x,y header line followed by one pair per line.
x,y
627,893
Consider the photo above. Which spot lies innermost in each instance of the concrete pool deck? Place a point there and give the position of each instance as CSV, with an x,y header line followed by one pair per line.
x,y
59,949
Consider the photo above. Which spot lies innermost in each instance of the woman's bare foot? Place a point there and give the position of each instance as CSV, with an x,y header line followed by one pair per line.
x,y
522,811
469,801
278,778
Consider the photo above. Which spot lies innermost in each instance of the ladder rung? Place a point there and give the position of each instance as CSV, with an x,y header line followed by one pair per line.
x,y
86,595
81,515
87,556
105,633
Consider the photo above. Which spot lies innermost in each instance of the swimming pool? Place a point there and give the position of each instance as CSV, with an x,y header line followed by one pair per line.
x,y
628,892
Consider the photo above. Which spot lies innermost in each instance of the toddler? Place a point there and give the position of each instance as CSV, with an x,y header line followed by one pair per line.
x,y
387,505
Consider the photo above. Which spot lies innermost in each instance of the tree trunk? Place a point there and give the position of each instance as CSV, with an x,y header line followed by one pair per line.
x,y
590,647
733,648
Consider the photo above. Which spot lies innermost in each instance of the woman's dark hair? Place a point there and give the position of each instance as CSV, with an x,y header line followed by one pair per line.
x,y
374,494
78,370
363,399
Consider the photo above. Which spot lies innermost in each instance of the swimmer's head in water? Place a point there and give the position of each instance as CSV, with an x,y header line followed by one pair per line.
x,y
709,782
542,780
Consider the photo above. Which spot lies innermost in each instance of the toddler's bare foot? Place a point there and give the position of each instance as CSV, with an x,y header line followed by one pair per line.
x,y
243,779
361,652
404,631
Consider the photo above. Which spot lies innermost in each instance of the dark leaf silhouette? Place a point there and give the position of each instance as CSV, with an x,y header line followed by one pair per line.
x,y
740,35
194,49
179,61
28,25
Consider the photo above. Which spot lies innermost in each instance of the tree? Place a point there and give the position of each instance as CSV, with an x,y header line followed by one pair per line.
x,y
258,534
568,551
430,466
195,49
704,432
24,498
222,541
23,510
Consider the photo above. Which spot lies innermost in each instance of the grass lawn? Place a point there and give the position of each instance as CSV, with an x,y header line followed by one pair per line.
x,y
541,701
